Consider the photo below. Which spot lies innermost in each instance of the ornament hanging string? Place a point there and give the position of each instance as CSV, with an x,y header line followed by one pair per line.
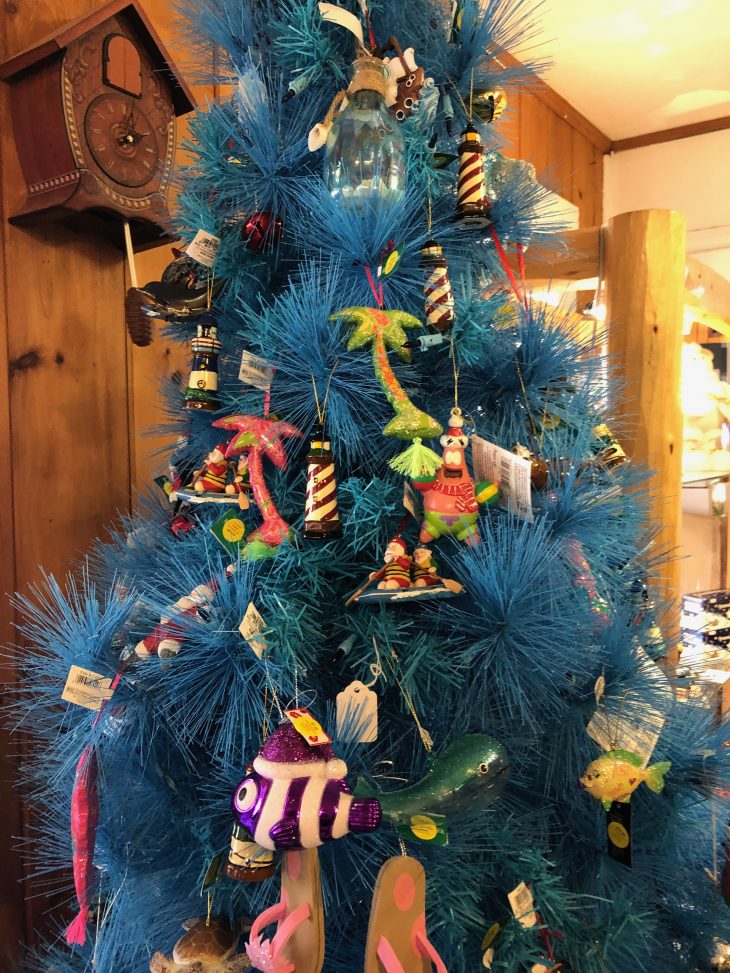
x,y
322,411
377,289
267,396
425,736
457,369
527,405
520,293
429,208
366,14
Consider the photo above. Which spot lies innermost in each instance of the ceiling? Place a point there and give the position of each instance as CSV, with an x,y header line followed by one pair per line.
x,y
637,66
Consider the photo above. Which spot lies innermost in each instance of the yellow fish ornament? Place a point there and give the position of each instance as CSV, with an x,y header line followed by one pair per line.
x,y
615,775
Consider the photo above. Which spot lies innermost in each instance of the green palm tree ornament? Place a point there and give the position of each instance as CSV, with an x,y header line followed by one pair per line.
x,y
384,330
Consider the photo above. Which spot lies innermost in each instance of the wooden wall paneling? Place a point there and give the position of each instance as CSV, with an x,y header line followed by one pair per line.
x,y
64,404
533,134
587,191
508,126
13,927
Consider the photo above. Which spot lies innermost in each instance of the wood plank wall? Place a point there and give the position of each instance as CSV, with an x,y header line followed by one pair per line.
x,y
76,396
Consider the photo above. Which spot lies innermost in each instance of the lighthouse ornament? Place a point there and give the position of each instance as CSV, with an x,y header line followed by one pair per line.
x,y
472,206
202,390
437,289
322,518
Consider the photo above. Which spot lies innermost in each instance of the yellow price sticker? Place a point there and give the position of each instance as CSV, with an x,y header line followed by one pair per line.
x,y
233,530
423,827
307,726
391,263
618,835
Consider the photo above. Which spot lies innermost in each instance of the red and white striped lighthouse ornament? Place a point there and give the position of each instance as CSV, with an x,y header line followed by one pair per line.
x,y
321,518
472,207
437,288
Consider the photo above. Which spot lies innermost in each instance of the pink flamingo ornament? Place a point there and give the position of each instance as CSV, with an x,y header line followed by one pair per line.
x,y
258,437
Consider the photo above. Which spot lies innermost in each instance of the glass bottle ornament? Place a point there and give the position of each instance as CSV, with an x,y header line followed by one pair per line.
x,y
364,157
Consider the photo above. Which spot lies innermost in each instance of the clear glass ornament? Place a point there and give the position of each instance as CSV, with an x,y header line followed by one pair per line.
x,y
365,152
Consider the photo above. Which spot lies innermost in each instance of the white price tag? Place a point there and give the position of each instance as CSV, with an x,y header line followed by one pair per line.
x,y
86,688
412,501
204,248
627,724
357,714
522,905
511,472
251,627
255,371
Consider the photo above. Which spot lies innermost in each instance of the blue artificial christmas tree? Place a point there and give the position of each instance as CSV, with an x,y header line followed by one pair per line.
x,y
453,658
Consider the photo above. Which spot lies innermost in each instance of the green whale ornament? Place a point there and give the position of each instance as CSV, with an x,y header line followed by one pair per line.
x,y
471,771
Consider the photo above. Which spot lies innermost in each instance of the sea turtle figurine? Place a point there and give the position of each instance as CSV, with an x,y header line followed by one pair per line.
x,y
205,947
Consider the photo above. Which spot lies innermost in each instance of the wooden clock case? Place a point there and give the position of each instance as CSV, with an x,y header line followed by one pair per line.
x,y
116,53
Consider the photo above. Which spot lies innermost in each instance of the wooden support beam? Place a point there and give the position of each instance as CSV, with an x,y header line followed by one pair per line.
x,y
645,268
576,259
671,134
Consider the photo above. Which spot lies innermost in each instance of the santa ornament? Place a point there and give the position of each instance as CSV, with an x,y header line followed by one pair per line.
x,y
451,499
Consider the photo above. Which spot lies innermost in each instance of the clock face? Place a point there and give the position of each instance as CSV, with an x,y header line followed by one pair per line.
x,y
122,139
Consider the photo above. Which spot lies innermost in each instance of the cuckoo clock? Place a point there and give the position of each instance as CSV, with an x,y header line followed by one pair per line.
x,y
93,109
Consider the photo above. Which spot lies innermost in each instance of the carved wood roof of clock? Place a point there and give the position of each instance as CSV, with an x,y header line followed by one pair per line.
x,y
182,98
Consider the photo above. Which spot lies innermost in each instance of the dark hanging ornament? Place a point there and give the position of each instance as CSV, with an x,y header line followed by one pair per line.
x,y
202,390
261,231
472,206
322,518
437,288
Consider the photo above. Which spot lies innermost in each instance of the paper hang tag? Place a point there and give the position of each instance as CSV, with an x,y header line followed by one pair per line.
x,y
357,714
511,472
618,833
336,15
230,531
255,371
627,724
412,501
429,829
204,248
86,688
306,725
523,905
251,627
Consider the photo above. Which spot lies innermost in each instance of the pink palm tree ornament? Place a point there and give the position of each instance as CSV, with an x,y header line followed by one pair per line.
x,y
258,437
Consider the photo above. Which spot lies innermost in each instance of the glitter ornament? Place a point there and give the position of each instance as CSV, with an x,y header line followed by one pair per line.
x,y
295,795
437,288
472,206
322,518
202,390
